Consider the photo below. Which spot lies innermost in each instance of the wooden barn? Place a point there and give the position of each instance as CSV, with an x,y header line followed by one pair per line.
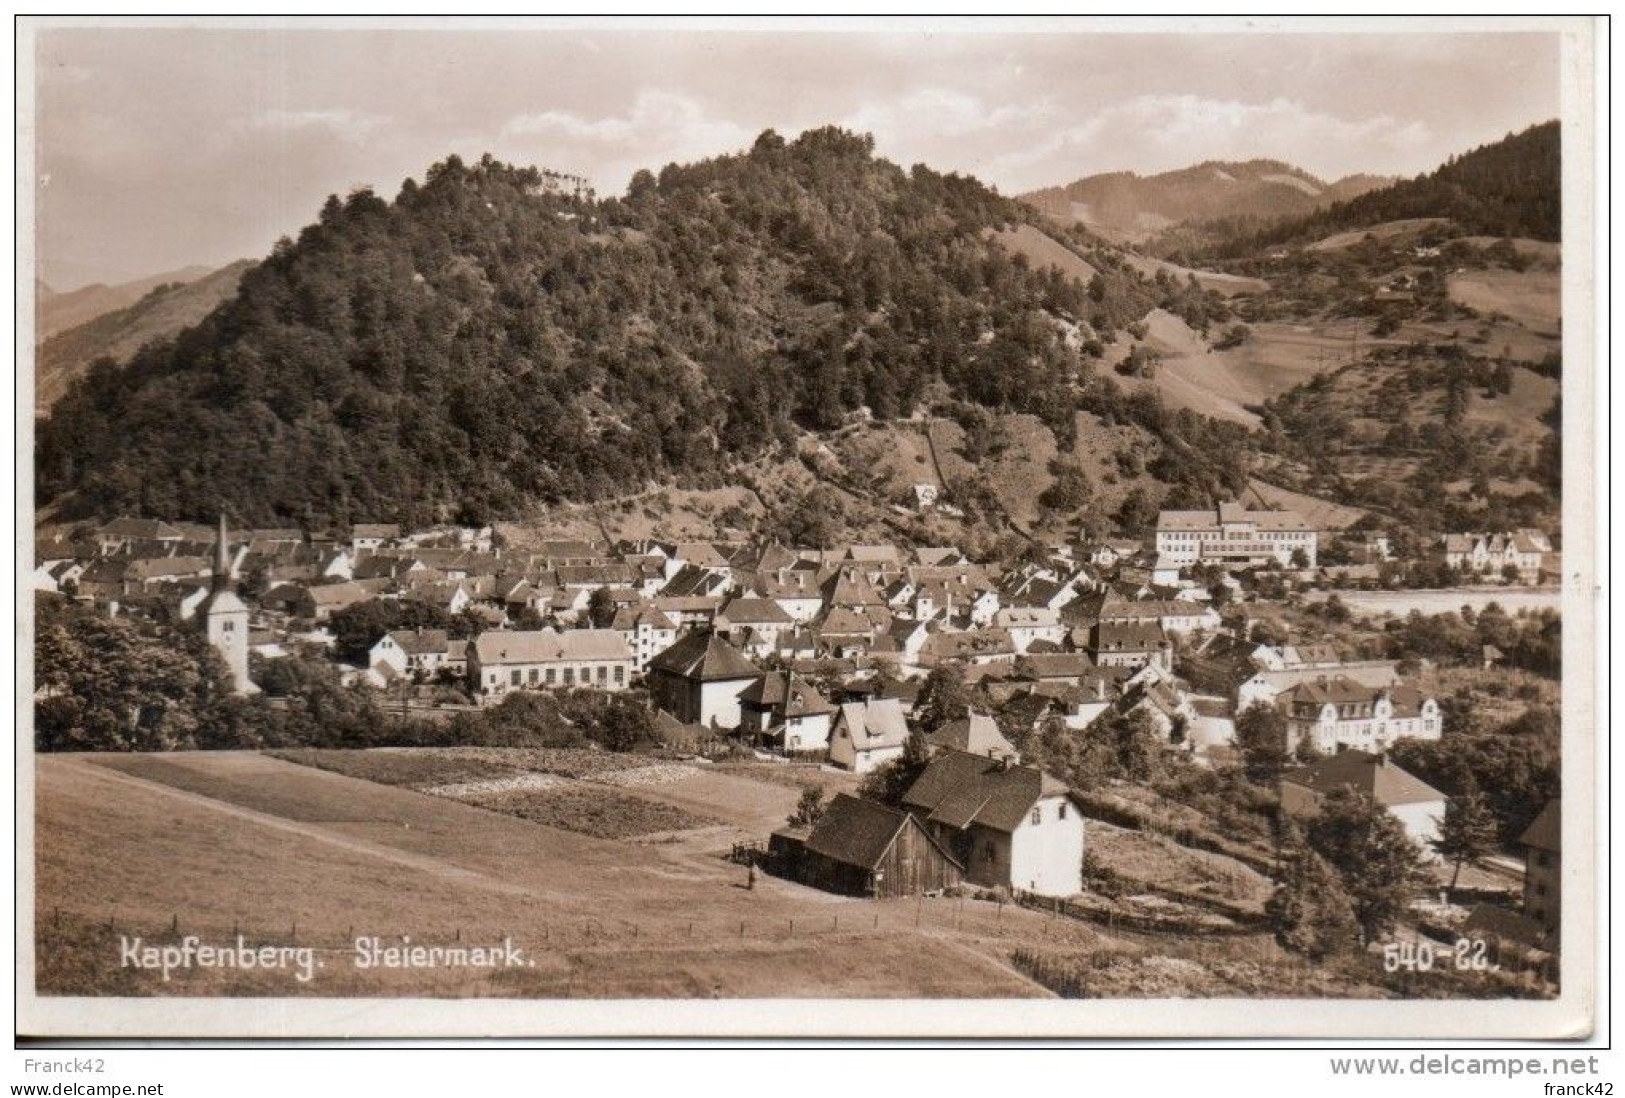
x,y
863,848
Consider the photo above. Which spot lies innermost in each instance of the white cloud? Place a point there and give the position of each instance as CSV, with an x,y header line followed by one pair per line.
x,y
658,128
352,123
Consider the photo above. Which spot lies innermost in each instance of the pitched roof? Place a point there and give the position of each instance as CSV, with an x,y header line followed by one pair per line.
x,y
787,692
849,587
1128,636
1377,776
959,789
976,733
1546,832
753,611
420,642
630,617
704,656
547,645
875,724
858,832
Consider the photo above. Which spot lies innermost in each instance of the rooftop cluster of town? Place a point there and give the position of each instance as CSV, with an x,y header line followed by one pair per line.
x,y
797,651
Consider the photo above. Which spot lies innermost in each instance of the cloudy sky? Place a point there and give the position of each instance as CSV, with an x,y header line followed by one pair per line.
x,y
161,148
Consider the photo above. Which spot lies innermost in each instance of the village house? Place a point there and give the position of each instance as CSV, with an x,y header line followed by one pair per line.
x,y
699,680
1542,841
868,734
1415,803
373,535
1173,615
417,651
1232,535
1341,713
1027,624
1130,644
501,661
763,617
1112,551
860,847
975,734
1010,826
648,633
1522,551
1267,685
316,603
786,713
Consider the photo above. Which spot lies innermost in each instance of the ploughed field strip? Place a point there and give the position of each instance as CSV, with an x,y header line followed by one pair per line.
x,y
577,790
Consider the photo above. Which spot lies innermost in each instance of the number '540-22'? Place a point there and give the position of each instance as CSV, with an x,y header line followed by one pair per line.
x,y
1468,955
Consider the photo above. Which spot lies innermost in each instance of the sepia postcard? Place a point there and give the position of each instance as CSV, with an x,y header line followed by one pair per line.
x,y
1005,528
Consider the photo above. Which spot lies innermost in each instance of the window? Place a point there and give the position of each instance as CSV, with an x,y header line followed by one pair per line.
x,y
603,674
552,676
534,674
569,676
620,673
1061,815
515,676
1038,815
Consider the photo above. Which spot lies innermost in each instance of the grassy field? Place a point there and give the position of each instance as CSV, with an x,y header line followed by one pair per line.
x,y
1386,232
1320,513
219,845
1532,298
1159,861
1218,281
224,843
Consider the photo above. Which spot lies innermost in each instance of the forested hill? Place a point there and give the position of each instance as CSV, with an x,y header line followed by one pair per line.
x,y
1510,188
480,342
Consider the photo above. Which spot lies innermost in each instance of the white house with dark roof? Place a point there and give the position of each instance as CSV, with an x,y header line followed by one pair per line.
x,y
1011,826
699,680
412,651
868,734
786,712
1414,802
1233,535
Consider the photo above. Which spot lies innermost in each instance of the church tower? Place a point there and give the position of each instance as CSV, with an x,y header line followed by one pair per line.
x,y
226,618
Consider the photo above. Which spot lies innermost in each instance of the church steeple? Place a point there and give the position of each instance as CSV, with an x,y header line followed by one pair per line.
x,y
222,558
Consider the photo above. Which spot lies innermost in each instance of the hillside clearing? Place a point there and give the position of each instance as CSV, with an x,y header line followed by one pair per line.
x,y
1532,298
1042,250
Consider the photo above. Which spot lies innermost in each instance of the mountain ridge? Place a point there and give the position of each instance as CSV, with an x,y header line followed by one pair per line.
x,y
1129,207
